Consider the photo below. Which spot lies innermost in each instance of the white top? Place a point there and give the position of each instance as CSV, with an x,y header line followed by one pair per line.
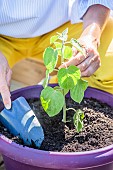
x,y
30,18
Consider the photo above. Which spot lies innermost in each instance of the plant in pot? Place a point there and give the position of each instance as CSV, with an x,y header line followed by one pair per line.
x,y
69,79
79,149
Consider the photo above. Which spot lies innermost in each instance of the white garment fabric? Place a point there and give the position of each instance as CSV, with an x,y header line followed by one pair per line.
x,y
31,18
81,6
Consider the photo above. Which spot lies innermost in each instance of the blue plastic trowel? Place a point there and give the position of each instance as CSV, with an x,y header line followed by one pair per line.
x,y
21,121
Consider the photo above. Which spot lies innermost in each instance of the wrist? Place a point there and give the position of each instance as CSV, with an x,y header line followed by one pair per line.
x,y
92,34
89,40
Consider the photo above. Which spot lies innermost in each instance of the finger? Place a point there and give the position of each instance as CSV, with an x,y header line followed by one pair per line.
x,y
74,50
86,63
74,60
91,69
8,77
93,56
5,93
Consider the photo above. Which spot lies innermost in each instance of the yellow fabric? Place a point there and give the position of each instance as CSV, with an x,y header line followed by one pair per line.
x,y
16,49
103,77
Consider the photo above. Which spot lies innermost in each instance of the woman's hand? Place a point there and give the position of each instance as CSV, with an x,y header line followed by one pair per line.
x,y
5,77
90,61
94,21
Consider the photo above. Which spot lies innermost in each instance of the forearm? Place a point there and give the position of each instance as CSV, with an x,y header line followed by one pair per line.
x,y
94,22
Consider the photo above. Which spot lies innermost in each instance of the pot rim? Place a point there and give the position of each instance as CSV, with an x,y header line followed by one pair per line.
x,y
51,159
52,152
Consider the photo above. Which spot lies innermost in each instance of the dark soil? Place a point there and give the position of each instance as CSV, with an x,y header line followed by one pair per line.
x,y
97,131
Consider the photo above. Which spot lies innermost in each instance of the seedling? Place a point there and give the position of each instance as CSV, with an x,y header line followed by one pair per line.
x,y
69,79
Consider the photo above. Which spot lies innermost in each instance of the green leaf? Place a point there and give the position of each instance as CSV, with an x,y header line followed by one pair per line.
x,y
63,91
63,38
53,39
67,77
78,120
52,101
45,83
76,44
66,91
65,32
64,35
58,88
60,34
50,58
58,47
67,53
77,92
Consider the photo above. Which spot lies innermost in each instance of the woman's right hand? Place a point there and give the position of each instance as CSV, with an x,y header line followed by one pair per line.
x,y
5,77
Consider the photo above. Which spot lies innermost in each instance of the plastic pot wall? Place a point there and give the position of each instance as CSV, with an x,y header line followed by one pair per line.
x,y
17,157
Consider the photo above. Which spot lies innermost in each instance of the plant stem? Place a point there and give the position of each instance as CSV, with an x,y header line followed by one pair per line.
x,y
64,110
64,107
71,109
62,58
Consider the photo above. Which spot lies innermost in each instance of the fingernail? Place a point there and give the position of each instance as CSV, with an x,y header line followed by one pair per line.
x,y
8,106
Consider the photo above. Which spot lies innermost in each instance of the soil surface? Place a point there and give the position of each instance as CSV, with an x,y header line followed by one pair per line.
x,y
97,131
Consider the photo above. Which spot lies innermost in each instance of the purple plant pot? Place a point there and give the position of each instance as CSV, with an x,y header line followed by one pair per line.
x,y
17,157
